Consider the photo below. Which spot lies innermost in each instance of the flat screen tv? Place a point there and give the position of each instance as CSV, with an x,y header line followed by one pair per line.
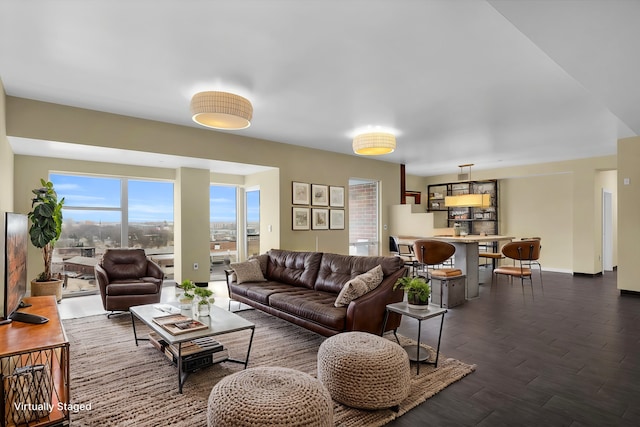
x,y
16,241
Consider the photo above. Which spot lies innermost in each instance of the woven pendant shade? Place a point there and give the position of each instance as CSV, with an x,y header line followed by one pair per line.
x,y
374,143
221,110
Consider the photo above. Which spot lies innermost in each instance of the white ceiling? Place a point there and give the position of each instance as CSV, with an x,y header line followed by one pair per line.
x,y
495,83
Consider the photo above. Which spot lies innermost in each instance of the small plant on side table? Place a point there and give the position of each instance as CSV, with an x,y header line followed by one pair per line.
x,y
418,290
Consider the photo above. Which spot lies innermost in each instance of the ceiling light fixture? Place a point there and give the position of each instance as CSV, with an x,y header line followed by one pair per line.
x,y
374,143
221,110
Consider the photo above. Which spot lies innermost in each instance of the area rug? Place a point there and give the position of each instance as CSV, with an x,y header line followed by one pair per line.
x,y
115,383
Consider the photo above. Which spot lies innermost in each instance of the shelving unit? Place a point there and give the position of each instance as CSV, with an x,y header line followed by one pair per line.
x,y
471,220
34,366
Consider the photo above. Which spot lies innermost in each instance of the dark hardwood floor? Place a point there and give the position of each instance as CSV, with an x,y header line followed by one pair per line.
x,y
568,355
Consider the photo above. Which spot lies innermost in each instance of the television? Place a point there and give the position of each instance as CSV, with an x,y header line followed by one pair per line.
x,y
16,245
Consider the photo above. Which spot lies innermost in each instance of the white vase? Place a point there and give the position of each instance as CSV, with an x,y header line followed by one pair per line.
x,y
201,307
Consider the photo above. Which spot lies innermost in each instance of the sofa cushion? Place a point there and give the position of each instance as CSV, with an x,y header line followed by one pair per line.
x,y
311,305
336,270
248,271
293,268
130,287
122,264
359,286
260,291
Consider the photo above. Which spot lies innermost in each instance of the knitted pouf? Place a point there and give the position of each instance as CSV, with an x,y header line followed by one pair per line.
x,y
364,371
269,396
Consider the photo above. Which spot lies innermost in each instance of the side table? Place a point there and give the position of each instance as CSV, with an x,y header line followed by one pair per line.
x,y
417,353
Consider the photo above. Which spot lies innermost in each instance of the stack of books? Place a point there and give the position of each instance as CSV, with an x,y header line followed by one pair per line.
x,y
196,354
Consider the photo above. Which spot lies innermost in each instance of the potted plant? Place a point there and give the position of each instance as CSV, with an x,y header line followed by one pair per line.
x,y
202,301
418,291
45,230
186,298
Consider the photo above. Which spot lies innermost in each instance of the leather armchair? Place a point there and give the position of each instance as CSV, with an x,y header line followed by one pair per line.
x,y
126,277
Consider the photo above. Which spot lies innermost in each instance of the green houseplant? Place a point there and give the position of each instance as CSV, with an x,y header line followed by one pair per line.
x,y
418,290
202,301
186,298
45,230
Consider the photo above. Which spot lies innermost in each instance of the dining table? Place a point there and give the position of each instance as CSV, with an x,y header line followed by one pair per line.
x,y
466,257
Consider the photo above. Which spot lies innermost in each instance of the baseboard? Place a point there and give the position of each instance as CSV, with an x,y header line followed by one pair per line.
x,y
598,274
626,292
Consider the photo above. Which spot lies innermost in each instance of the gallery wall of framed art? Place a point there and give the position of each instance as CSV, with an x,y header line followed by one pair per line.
x,y
317,206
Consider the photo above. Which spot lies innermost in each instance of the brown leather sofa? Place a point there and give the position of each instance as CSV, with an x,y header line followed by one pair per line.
x,y
126,277
301,287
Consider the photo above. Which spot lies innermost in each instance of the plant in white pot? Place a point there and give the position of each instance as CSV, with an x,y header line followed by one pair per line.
x,y
418,291
186,298
202,302
45,230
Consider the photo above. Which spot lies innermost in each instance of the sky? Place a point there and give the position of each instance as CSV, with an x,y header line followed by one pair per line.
x,y
149,201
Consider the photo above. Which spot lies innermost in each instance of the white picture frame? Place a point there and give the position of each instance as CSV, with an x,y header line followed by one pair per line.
x,y
336,219
300,193
319,219
300,218
336,197
319,195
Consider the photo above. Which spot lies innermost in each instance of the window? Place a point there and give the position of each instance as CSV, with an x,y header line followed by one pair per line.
x,y
223,223
105,212
253,222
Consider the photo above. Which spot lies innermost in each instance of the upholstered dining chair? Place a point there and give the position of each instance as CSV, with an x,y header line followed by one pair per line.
x,y
126,277
536,256
431,257
522,252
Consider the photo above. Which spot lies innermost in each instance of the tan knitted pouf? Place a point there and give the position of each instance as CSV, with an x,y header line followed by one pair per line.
x,y
269,396
364,371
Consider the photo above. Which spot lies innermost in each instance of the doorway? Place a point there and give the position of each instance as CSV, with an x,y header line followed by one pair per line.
x,y
607,230
364,209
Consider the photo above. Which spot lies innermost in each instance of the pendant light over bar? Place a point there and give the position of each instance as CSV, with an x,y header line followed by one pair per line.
x,y
221,110
468,201
374,143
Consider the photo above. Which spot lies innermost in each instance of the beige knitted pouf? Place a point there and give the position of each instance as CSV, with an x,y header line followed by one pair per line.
x,y
269,396
364,371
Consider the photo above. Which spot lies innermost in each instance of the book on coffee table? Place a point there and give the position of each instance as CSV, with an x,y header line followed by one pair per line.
x,y
179,324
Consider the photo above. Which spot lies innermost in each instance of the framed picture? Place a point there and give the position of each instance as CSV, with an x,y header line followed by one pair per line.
x,y
320,219
319,195
336,197
336,220
300,193
300,219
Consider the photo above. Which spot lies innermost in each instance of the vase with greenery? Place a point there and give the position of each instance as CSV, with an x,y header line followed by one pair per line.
x,y
418,291
45,230
202,301
186,298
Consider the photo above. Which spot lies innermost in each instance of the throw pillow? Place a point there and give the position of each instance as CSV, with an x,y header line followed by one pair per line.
x,y
358,286
263,260
248,271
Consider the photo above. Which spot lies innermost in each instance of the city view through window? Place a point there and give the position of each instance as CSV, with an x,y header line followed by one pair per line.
x,y
104,212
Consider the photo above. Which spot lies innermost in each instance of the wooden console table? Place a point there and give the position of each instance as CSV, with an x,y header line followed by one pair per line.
x,y
34,369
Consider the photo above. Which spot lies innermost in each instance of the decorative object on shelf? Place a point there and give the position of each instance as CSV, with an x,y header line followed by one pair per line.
x,y
221,110
320,219
186,298
300,218
319,195
336,219
300,193
202,301
374,143
336,196
45,230
418,291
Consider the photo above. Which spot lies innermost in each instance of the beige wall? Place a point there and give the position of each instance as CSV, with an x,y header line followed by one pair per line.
x,y
628,208
6,184
268,183
560,199
39,120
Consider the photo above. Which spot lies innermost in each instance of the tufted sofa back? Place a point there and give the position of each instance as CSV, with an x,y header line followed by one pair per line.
x,y
336,270
122,264
293,268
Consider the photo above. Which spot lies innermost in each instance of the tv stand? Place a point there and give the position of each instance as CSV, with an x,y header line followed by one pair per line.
x,y
34,369
18,316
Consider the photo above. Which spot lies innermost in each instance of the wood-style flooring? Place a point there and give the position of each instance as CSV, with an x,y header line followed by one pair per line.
x,y
566,355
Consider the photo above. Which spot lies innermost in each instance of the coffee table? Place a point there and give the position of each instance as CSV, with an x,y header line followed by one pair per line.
x,y
219,322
